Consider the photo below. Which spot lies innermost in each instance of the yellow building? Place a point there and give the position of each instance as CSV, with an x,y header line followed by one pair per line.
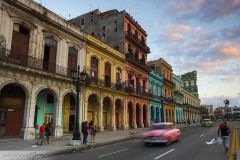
x,y
104,95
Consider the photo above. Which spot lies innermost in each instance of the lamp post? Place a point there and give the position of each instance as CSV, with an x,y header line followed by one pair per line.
x,y
79,79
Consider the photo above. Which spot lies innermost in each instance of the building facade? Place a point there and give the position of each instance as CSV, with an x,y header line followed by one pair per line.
x,y
157,88
36,86
169,105
191,107
122,32
190,82
178,98
104,98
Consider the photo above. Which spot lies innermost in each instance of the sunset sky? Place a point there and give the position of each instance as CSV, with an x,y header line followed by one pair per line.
x,y
201,35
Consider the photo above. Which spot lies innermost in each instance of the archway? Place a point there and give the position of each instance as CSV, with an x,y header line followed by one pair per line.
x,y
45,107
107,113
68,113
167,115
93,109
12,105
152,114
157,114
145,112
130,115
138,115
118,113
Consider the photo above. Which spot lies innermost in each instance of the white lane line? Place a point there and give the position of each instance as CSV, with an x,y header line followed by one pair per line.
x,y
112,153
164,154
202,135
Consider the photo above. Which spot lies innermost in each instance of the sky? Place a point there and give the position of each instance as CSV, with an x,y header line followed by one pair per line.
x,y
201,35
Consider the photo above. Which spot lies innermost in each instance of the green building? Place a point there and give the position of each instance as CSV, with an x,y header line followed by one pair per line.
x,y
178,98
157,88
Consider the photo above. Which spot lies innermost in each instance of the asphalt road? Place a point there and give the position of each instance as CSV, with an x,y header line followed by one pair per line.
x,y
191,146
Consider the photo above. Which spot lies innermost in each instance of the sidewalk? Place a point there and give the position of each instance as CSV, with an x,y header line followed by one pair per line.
x,y
61,144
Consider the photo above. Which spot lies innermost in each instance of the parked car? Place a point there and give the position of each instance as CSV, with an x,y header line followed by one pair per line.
x,y
162,133
207,123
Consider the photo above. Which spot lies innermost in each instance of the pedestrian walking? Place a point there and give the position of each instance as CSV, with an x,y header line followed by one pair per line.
x,y
48,131
41,134
225,132
92,131
85,132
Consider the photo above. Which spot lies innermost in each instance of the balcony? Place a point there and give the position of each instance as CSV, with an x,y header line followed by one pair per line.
x,y
138,42
119,86
168,81
34,63
139,63
138,91
156,97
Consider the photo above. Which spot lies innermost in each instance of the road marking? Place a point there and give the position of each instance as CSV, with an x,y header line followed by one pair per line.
x,y
164,154
112,153
211,142
202,135
232,145
237,141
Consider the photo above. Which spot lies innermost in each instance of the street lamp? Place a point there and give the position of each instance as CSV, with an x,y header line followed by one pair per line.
x,y
79,79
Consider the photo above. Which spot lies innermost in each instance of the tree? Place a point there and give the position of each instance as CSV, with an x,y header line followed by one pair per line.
x,y
226,102
2,41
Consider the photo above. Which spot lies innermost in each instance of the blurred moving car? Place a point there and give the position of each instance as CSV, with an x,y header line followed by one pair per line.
x,y
162,133
207,123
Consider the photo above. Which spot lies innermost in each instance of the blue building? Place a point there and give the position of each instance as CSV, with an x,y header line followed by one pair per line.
x,y
157,88
178,98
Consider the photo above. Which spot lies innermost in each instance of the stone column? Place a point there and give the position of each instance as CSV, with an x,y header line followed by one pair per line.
x,y
134,116
113,127
58,114
30,105
100,115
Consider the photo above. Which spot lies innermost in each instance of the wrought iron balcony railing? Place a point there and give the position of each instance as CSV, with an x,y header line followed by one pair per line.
x,y
137,41
139,90
32,62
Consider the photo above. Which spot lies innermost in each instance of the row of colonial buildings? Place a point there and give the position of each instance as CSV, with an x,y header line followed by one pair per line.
x,y
39,50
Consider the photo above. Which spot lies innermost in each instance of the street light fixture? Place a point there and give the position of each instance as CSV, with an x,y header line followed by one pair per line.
x,y
79,79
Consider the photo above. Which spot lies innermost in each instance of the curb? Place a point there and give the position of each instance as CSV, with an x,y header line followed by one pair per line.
x,y
82,148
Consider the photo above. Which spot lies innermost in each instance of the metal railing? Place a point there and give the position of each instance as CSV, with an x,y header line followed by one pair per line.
x,y
32,62
139,42
120,86
139,90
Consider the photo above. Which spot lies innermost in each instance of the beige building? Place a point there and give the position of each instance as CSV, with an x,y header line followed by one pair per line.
x,y
38,50
191,107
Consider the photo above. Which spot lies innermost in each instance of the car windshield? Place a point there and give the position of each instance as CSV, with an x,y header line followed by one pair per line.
x,y
206,120
161,126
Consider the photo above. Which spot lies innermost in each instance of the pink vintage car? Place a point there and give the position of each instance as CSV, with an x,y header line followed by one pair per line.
x,y
162,133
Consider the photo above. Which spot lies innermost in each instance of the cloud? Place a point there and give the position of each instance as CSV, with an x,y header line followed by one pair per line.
x,y
176,33
230,51
228,80
231,33
204,9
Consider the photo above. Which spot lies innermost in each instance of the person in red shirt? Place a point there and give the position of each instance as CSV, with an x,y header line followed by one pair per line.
x,y
225,135
41,134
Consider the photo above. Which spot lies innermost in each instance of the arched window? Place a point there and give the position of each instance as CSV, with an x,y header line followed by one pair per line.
x,y
72,58
50,53
107,75
20,39
118,75
94,69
